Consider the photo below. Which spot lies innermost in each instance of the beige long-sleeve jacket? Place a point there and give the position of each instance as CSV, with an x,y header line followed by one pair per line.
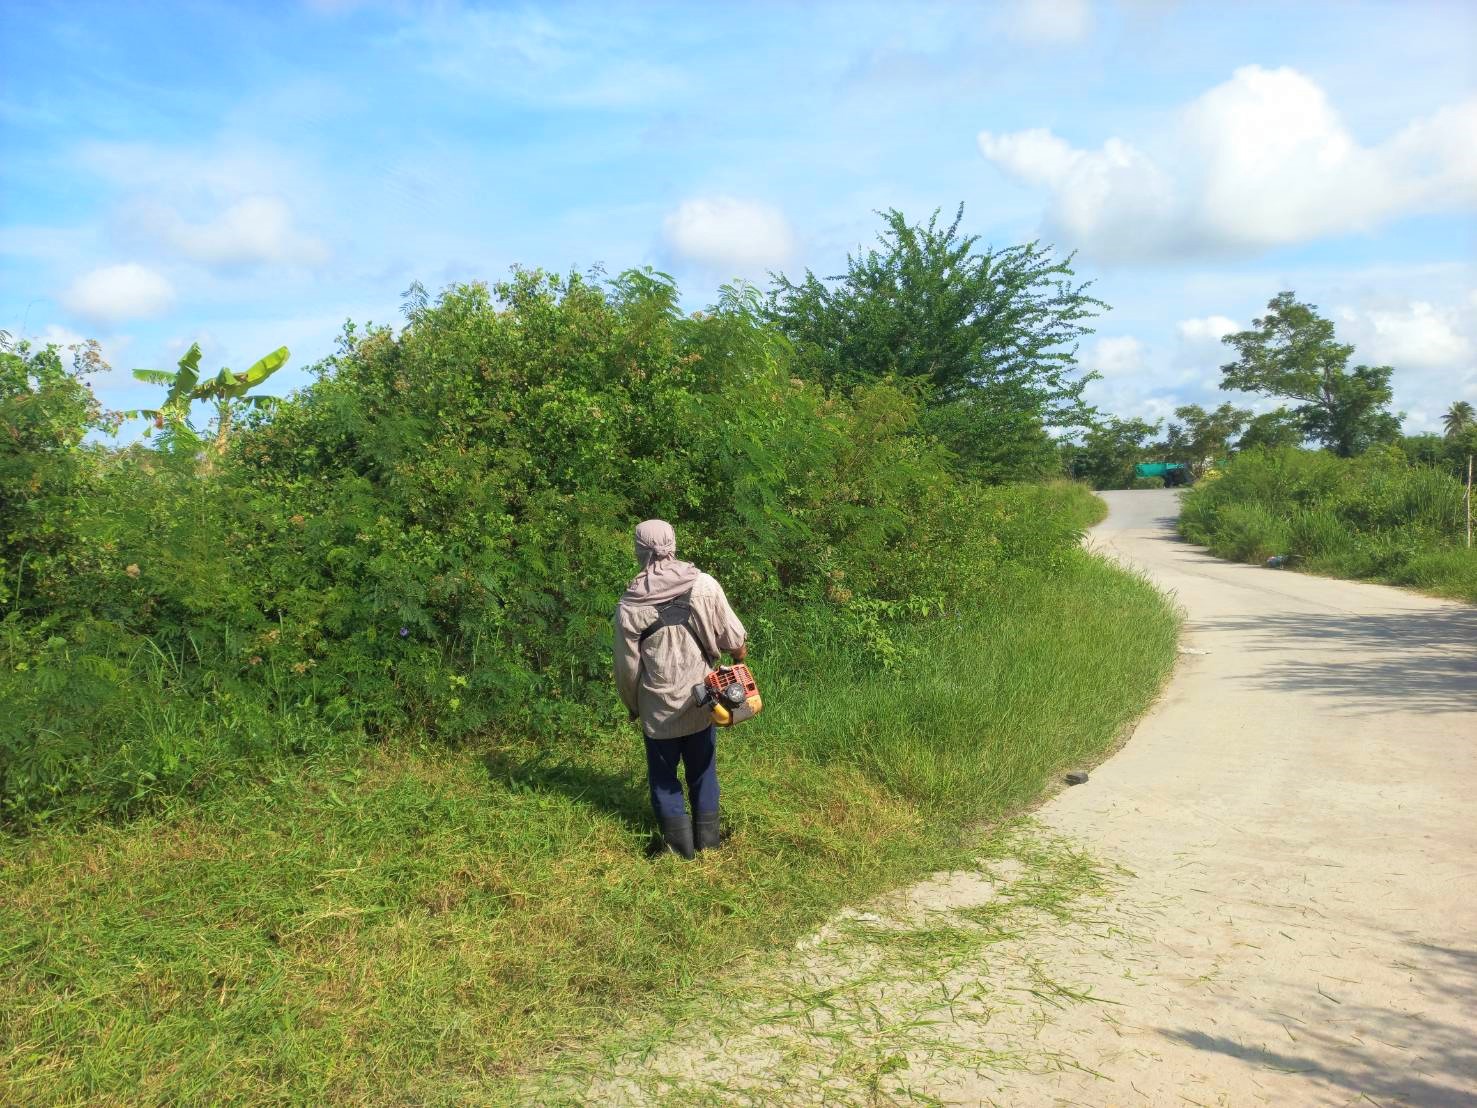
x,y
655,678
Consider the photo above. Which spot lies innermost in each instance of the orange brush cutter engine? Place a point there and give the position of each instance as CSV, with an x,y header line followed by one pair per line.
x,y
730,694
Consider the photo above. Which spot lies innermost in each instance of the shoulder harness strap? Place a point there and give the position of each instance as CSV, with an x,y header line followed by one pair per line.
x,y
676,612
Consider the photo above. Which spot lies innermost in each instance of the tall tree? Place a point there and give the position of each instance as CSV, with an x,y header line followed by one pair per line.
x,y
993,331
1459,418
1292,353
993,442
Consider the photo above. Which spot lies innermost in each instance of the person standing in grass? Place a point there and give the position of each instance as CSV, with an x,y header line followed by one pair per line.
x,y
672,623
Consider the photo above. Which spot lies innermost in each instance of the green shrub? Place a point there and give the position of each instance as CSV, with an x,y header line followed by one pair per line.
x,y
1449,569
431,537
1375,516
260,946
1251,533
47,472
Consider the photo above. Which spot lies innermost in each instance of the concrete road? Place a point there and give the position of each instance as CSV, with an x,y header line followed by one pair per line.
x,y
1300,815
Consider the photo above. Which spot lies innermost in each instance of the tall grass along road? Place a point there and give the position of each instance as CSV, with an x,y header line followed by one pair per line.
x,y
1375,517
1264,898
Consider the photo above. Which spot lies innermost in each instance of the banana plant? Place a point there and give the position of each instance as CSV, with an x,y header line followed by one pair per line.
x,y
227,389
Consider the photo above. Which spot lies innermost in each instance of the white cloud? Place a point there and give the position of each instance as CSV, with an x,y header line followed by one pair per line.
x,y
255,229
1114,357
742,237
219,171
209,345
582,58
1051,22
233,204
1416,335
1210,329
1110,201
113,293
1132,398
54,335
1140,381
37,243
1261,160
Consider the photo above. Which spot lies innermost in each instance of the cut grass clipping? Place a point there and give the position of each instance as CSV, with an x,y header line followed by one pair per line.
x,y
411,924
883,1003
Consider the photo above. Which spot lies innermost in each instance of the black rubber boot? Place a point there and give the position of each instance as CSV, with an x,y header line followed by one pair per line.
x,y
677,835
705,830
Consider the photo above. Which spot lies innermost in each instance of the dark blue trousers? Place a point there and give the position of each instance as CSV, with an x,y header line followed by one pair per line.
x,y
696,754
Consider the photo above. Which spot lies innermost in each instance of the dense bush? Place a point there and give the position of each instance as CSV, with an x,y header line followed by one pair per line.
x,y
46,473
432,536
1375,516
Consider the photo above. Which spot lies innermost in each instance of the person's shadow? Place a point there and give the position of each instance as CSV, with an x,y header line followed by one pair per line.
x,y
616,794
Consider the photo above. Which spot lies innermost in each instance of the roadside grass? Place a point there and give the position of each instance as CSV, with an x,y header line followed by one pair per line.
x,y
405,923
1373,518
1085,509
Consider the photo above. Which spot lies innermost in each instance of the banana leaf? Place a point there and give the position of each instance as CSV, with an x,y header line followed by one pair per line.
x,y
186,379
265,367
185,385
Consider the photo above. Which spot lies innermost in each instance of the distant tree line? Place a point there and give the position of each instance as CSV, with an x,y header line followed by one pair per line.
x,y
1292,355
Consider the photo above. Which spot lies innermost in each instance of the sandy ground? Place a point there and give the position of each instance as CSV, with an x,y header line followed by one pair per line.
x,y
1303,806
1294,917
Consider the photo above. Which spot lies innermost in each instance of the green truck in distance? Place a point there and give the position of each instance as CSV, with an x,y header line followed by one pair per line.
x,y
1173,474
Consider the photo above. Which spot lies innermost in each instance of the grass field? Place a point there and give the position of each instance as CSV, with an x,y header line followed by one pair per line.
x,y
419,924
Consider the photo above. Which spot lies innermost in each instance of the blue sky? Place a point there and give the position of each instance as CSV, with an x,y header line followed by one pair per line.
x,y
250,175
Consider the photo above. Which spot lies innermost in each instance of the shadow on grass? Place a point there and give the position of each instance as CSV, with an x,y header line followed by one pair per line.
x,y
1422,660
615,794
1440,1056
